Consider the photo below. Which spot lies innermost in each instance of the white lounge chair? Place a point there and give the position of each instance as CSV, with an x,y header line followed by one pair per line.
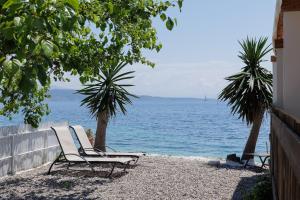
x,y
88,149
70,153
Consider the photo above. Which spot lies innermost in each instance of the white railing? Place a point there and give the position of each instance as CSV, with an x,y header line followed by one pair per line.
x,y
23,147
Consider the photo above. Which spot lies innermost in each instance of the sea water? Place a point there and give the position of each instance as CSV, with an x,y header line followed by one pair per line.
x,y
168,126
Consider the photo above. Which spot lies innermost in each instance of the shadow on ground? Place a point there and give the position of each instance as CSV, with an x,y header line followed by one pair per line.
x,y
101,171
246,183
73,183
254,169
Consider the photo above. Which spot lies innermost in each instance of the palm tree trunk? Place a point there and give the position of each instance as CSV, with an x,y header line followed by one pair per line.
x,y
252,139
102,122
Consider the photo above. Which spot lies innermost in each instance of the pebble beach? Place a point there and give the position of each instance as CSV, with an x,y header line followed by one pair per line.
x,y
154,177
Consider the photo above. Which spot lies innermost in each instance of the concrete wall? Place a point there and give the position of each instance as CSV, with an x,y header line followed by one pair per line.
x,y
23,148
278,79
291,63
275,83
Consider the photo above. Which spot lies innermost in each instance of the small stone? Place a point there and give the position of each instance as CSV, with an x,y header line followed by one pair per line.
x,y
215,163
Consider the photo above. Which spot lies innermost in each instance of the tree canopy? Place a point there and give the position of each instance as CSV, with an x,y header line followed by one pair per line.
x,y
109,93
41,40
249,92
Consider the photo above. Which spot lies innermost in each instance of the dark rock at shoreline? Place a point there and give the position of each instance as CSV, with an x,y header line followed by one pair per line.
x,y
233,158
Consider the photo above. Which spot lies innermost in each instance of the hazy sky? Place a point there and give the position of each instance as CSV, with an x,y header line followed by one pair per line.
x,y
202,49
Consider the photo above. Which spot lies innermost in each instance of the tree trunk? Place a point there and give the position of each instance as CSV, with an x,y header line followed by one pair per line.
x,y
102,122
252,139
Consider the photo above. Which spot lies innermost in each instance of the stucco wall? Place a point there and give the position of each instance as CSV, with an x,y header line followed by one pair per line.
x,y
291,63
23,148
278,79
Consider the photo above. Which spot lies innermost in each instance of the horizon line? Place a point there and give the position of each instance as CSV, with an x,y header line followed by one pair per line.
x,y
145,95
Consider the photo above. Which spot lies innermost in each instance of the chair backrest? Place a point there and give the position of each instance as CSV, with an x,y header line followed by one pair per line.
x,y
65,140
82,137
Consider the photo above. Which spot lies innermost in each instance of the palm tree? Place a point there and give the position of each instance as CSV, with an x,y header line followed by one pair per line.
x,y
105,96
249,92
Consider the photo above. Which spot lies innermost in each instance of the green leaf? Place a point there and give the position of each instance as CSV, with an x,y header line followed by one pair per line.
x,y
73,3
7,64
1,75
16,63
17,21
8,3
47,47
37,49
169,24
103,26
158,47
163,17
42,75
2,59
82,79
26,84
180,4
110,7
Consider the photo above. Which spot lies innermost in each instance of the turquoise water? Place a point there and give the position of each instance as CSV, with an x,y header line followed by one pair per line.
x,y
172,126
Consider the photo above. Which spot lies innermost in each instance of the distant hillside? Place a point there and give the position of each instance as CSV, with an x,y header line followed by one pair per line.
x,y
170,98
64,94
68,94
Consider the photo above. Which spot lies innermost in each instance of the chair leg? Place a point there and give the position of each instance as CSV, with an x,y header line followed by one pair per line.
x,y
264,162
55,161
246,163
52,166
111,170
68,167
92,168
136,160
126,166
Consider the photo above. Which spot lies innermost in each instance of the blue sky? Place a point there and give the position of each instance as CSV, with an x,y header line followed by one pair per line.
x,y
202,49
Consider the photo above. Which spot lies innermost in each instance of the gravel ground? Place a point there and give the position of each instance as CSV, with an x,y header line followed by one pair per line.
x,y
153,178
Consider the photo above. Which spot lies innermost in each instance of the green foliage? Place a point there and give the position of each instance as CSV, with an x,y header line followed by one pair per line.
x,y
170,23
89,133
40,40
65,184
108,93
250,91
262,190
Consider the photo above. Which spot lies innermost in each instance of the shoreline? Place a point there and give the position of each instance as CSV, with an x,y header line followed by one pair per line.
x,y
200,158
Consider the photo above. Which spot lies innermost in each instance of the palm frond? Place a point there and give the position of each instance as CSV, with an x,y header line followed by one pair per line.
x,y
250,91
108,93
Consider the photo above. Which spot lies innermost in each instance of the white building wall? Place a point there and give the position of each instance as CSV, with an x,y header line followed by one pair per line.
x,y
291,63
275,84
278,79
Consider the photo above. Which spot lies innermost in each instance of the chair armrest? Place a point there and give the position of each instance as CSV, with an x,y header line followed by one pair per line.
x,y
98,151
73,154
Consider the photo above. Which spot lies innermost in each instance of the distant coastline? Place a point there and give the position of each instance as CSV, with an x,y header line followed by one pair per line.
x,y
73,92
